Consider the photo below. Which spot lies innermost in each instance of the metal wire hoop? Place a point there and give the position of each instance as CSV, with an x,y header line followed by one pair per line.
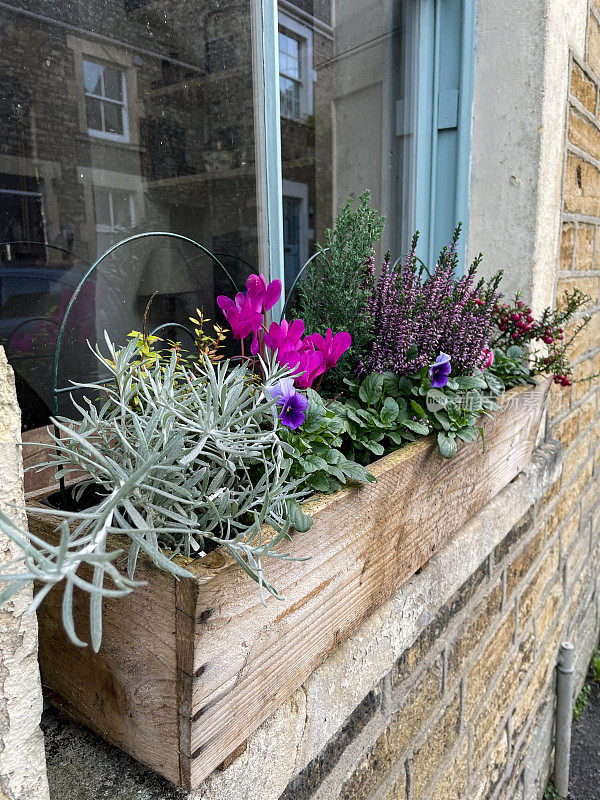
x,y
56,390
319,252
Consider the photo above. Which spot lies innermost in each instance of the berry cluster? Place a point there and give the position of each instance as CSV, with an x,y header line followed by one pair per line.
x,y
516,325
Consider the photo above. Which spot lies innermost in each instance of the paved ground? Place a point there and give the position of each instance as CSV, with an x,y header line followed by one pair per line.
x,y
585,750
83,767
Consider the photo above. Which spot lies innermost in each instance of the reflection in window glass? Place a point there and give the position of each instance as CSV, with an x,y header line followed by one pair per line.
x,y
104,84
138,119
347,87
289,76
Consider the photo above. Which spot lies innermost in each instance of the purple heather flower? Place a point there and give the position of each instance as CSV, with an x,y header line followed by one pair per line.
x,y
439,371
293,404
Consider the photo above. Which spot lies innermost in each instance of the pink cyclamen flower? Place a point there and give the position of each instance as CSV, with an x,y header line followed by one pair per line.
x,y
285,336
488,355
264,295
331,345
242,314
306,364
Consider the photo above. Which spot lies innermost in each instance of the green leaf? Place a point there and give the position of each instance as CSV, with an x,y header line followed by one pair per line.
x,y
374,447
371,388
495,384
397,437
354,471
416,427
466,382
515,353
405,386
320,481
447,444
443,419
298,519
467,434
417,408
389,410
390,384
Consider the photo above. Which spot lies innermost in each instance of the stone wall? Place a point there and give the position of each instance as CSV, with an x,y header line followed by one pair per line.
x,y
22,765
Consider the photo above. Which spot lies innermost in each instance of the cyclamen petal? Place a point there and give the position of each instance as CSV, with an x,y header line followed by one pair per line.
x,y
341,342
272,294
332,346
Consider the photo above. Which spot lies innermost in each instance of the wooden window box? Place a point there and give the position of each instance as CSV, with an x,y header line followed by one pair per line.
x,y
189,669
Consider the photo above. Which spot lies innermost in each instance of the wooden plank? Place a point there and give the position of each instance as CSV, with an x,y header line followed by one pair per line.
x,y
365,544
130,691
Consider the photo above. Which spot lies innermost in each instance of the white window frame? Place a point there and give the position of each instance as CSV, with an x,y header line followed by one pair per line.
x,y
101,134
112,228
295,30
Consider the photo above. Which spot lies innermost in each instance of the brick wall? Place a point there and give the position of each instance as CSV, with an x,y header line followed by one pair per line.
x,y
459,713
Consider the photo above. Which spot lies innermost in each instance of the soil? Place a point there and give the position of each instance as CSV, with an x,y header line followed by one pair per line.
x,y
585,750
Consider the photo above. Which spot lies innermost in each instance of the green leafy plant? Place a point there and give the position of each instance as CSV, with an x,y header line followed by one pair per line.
x,y
316,456
595,665
582,701
379,416
335,287
455,410
550,793
511,367
197,461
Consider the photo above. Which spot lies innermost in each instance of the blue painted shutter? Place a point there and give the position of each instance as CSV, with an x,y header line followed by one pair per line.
x,y
445,101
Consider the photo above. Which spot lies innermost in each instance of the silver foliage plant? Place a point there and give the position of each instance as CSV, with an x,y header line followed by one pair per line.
x,y
180,458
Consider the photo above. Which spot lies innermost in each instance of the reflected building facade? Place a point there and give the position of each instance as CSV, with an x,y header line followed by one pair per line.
x,y
127,116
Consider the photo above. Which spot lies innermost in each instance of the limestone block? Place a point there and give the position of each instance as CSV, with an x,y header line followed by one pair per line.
x,y
22,760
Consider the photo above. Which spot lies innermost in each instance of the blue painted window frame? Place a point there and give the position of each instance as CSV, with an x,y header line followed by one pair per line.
x,y
444,126
444,122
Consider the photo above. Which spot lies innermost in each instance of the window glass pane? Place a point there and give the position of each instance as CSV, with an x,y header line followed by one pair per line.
x,y
102,206
113,83
93,110
175,153
113,118
92,77
122,209
347,124
290,97
288,56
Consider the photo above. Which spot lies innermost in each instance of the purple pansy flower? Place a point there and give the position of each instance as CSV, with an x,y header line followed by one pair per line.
x,y
439,371
293,404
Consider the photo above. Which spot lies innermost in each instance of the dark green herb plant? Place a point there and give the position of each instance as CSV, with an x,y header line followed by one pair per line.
x,y
336,286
